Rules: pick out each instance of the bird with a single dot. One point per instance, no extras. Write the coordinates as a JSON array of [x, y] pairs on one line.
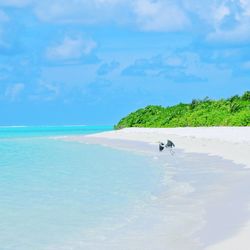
[[169, 144]]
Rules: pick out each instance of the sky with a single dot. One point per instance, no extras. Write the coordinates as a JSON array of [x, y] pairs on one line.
[[94, 61]]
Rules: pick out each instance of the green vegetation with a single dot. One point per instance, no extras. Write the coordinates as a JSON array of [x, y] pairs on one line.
[[234, 111]]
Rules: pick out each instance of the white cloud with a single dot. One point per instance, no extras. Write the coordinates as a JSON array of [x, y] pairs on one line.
[[245, 4], [83, 11], [215, 19], [220, 12], [228, 21], [240, 34], [149, 15], [13, 92], [71, 49], [159, 15]]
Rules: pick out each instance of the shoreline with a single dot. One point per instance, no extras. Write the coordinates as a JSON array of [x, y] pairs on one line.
[[229, 143]]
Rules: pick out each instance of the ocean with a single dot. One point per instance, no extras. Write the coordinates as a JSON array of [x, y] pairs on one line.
[[63, 195], [41, 131], [59, 194]]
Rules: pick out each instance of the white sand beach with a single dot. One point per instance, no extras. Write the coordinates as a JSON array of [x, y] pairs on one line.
[[230, 143]]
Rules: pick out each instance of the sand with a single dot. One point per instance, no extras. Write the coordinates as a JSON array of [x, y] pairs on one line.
[[230, 143]]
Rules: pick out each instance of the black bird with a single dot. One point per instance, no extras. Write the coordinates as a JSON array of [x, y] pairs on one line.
[[169, 144]]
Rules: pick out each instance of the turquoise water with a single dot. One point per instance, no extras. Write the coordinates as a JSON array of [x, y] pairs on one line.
[[25, 131], [55, 194], [65, 195]]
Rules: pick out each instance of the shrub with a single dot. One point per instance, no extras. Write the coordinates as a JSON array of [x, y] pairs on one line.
[[234, 111]]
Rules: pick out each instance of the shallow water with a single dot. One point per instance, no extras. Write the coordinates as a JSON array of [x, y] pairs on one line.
[[62, 195], [54, 192]]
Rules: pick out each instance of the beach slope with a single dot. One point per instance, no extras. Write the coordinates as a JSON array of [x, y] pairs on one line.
[[230, 143]]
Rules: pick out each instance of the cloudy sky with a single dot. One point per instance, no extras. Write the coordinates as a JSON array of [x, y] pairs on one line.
[[94, 61]]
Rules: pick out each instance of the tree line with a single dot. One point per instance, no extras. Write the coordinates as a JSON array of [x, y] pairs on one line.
[[234, 111]]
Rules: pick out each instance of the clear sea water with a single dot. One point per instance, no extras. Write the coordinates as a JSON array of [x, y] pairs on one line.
[[62, 195], [38, 131], [65, 195]]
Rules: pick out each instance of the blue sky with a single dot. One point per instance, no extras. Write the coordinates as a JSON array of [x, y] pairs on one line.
[[92, 62]]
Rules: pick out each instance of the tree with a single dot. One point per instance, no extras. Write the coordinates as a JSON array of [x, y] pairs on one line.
[[246, 96]]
